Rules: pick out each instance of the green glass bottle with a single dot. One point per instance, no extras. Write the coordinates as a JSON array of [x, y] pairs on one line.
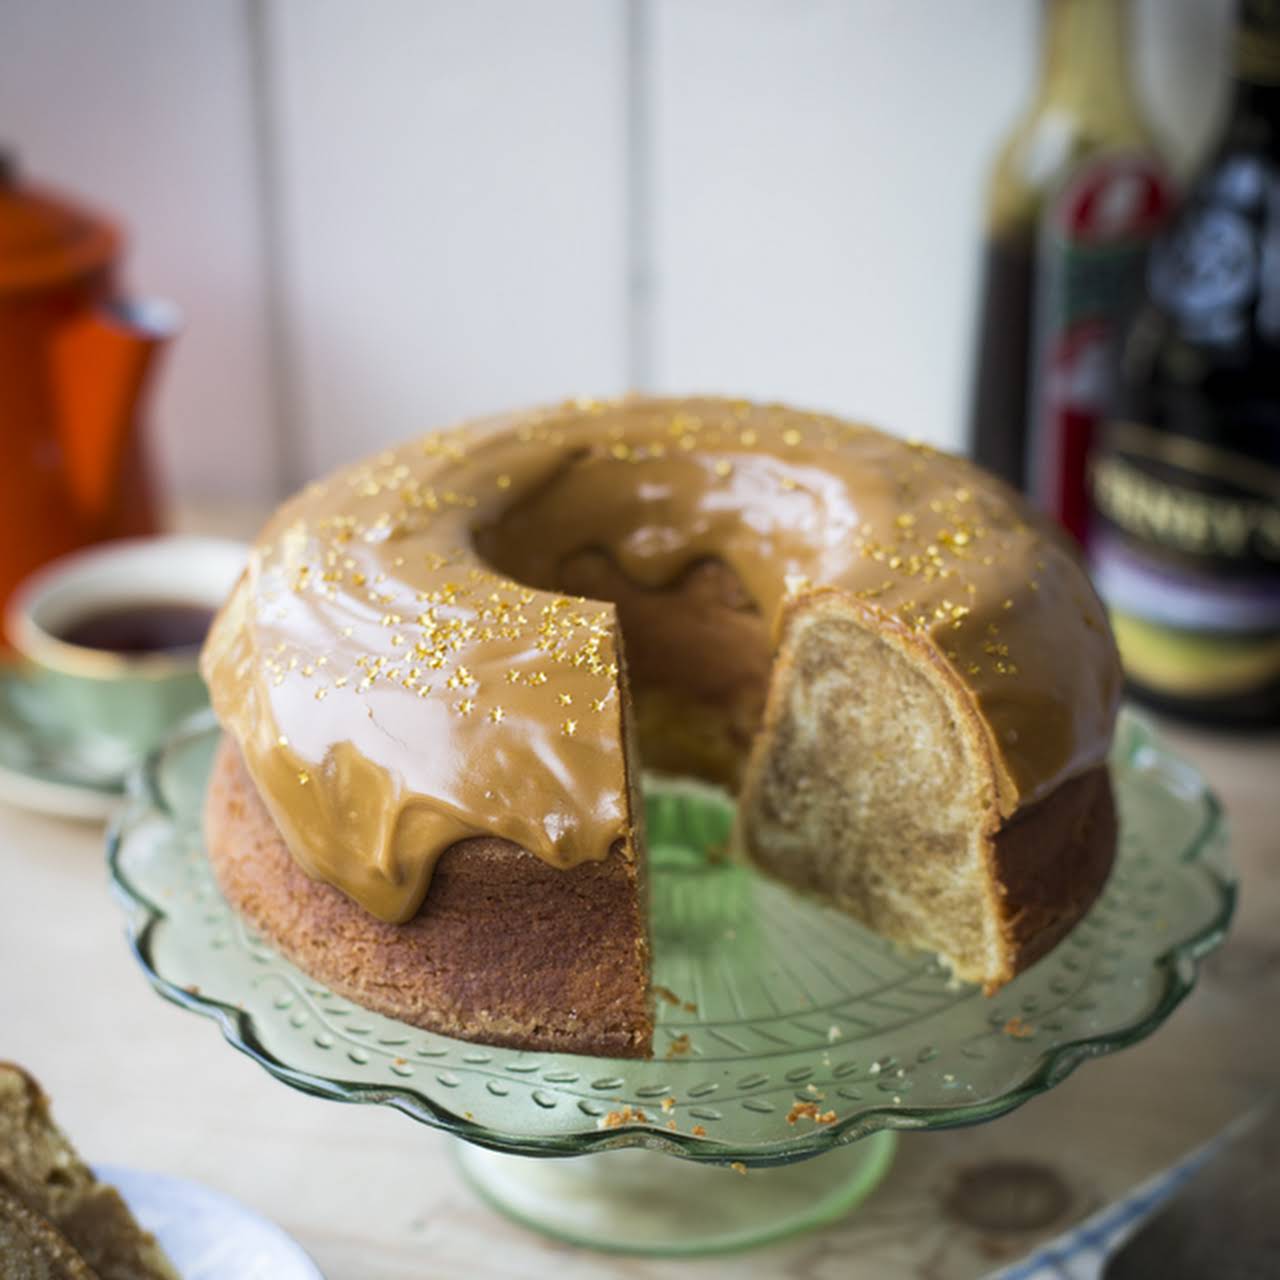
[[1077, 194]]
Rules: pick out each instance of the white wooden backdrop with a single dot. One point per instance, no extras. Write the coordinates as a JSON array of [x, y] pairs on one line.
[[380, 215]]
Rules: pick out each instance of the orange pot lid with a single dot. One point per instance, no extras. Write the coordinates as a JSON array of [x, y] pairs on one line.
[[44, 240]]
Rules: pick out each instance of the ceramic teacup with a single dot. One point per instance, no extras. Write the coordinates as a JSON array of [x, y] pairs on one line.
[[130, 699]]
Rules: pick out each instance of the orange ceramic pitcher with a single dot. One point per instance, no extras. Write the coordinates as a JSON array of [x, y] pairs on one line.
[[74, 364]]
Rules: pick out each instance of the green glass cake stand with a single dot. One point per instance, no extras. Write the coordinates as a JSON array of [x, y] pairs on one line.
[[784, 1030]]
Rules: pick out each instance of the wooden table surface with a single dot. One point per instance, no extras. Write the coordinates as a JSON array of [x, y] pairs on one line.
[[373, 1195]]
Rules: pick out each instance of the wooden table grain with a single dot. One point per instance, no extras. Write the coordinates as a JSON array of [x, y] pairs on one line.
[[373, 1195]]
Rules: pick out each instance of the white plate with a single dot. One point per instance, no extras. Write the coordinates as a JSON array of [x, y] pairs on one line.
[[208, 1236]]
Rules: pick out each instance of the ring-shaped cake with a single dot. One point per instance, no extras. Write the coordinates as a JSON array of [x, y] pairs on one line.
[[444, 666]]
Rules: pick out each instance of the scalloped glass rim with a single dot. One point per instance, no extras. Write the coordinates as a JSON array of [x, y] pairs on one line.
[[1137, 749]]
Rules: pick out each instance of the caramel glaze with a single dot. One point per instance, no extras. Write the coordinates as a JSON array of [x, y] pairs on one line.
[[699, 659], [394, 693]]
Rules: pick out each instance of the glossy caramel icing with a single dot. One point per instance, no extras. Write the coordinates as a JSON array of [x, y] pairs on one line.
[[393, 692]]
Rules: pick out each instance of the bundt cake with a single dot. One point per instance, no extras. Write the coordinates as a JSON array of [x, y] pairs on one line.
[[444, 667]]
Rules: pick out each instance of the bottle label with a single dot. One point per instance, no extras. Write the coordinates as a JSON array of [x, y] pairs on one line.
[[1185, 548], [1092, 244]]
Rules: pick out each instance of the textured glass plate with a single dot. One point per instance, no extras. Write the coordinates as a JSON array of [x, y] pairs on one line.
[[775, 1000]]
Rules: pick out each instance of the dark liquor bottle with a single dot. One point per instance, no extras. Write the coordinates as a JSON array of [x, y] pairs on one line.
[[1077, 194], [1186, 481]]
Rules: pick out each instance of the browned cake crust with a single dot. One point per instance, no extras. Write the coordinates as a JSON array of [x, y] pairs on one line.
[[506, 949], [1049, 864]]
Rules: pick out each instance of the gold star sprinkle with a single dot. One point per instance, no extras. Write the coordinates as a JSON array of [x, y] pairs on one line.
[[496, 715], [569, 728]]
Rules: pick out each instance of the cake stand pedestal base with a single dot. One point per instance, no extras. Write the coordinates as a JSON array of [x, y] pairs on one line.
[[644, 1202]]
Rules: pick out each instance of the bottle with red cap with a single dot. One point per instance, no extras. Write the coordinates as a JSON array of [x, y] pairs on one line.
[[1078, 193]]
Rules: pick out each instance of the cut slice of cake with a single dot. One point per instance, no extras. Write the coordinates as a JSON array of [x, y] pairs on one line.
[[32, 1248], [88, 1230]]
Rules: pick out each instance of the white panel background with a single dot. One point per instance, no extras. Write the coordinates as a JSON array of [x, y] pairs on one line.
[[819, 168], [379, 216], [143, 109], [452, 182]]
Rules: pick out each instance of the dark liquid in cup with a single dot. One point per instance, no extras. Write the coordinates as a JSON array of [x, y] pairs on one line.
[[160, 626]]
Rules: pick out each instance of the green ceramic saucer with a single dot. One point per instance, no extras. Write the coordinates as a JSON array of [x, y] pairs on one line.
[[50, 766]]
